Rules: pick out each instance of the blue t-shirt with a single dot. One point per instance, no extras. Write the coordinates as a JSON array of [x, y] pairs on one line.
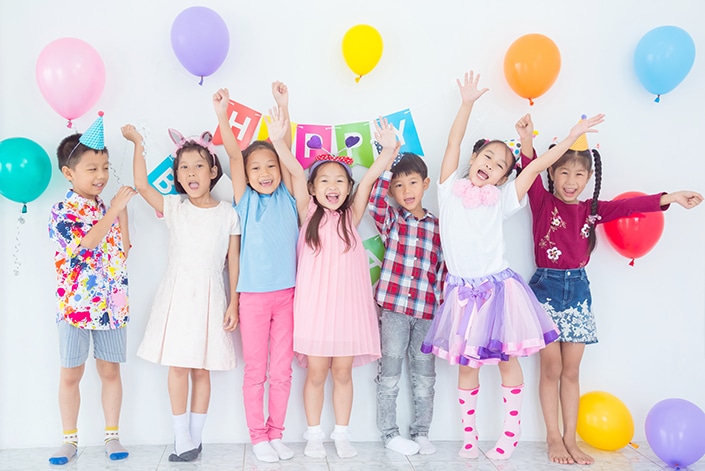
[[270, 228]]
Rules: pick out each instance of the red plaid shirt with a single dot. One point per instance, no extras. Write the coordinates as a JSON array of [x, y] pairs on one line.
[[412, 270]]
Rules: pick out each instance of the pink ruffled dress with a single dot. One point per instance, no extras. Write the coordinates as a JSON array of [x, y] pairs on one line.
[[334, 309]]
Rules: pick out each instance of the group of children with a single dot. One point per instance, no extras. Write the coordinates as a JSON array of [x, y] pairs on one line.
[[299, 281]]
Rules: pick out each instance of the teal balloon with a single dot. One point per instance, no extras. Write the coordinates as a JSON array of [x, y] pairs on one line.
[[25, 169], [663, 58]]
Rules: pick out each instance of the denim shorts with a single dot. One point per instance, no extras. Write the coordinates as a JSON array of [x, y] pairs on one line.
[[565, 294]]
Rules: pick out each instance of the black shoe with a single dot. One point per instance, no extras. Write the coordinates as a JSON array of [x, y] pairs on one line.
[[185, 456]]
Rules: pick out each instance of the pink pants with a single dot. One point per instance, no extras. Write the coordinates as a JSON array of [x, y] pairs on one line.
[[267, 320]]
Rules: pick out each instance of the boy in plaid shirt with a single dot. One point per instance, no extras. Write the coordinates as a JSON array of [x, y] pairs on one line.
[[409, 292]]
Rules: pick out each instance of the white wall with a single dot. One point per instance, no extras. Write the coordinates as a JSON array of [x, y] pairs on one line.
[[650, 316]]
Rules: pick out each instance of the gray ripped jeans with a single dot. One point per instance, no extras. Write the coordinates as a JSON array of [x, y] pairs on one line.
[[402, 335]]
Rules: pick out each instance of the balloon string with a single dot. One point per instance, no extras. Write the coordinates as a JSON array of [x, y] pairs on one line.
[[658, 99], [631, 264], [16, 251]]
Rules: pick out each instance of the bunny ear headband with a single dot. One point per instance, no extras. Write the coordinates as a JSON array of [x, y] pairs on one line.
[[204, 140]]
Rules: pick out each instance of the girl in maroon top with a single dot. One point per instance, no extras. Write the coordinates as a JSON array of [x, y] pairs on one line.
[[564, 237]]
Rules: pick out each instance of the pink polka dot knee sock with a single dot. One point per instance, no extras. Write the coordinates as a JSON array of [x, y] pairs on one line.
[[511, 431], [468, 402]]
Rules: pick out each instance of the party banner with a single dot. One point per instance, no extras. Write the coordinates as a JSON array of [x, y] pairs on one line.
[[312, 140], [354, 140], [405, 129], [375, 254], [243, 121], [162, 177]]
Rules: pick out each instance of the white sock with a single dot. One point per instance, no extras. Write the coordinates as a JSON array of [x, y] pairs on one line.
[[284, 452], [425, 445], [314, 442], [341, 437], [402, 445], [182, 435], [265, 452], [196, 423]]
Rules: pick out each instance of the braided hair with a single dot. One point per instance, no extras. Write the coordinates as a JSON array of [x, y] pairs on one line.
[[584, 158]]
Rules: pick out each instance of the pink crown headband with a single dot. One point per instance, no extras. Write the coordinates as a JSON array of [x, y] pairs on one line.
[[204, 140]]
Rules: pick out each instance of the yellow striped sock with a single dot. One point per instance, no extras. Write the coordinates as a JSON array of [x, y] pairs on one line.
[[71, 437], [111, 433]]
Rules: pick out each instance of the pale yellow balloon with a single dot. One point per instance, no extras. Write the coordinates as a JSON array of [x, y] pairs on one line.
[[362, 49]]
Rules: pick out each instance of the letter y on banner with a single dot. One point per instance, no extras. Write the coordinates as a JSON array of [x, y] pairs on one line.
[[406, 131]]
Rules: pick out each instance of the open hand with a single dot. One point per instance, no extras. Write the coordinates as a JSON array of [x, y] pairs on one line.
[[385, 134], [276, 124], [468, 87], [586, 125]]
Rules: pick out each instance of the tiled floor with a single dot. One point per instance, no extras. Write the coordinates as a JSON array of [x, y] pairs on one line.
[[372, 456]]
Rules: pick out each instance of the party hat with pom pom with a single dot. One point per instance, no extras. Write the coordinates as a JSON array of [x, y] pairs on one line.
[[94, 136], [581, 143]]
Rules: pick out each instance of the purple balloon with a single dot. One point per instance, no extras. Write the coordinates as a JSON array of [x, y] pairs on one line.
[[675, 429], [200, 40]]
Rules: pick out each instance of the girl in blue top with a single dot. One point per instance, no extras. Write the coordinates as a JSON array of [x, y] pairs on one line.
[[263, 199]]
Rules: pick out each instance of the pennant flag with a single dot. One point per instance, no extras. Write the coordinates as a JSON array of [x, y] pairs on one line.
[[311, 140], [162, 177], [243, 121], [405, 129], [354, 141], [375, 254], [263, 133]]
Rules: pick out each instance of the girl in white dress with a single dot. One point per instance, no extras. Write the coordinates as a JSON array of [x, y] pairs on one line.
[[191, 321]]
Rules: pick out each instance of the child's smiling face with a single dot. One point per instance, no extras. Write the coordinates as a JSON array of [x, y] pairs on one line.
[[263, 172], [569, 181], [90, 174], [490, 165], [194, 173], [331, 185]]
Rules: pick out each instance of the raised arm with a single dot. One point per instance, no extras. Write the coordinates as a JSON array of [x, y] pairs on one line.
[[278, 129], [232, 148], [281, 97], [538, 165], [385, 135], [139, 170], [525, 129], [469, 94]]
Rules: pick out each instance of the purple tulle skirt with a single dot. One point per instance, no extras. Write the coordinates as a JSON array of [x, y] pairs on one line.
[[486, 320]]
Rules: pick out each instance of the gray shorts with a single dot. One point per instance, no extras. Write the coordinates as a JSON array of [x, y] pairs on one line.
[[74, 343]]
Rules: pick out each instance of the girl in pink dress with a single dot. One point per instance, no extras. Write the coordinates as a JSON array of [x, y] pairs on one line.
[[335, 317]]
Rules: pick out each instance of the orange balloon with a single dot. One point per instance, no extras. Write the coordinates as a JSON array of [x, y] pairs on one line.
[[531, 65]]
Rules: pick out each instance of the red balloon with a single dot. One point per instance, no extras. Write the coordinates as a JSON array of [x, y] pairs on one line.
[[634, 236]]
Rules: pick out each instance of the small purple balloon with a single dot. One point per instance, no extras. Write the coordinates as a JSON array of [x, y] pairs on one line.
[[675, 429], [350, 141], [200, 40], [314, 142]]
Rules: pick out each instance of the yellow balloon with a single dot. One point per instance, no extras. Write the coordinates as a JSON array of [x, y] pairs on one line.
[[362, 49], [604, 421]]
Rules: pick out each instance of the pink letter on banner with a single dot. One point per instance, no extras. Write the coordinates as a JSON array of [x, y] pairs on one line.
[[312, 140], [243, 121]]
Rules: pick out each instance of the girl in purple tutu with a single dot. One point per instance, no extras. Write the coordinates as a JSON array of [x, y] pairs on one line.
[[489, 314]]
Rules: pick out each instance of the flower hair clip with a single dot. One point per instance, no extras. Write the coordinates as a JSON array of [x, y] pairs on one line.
[[204, 140]]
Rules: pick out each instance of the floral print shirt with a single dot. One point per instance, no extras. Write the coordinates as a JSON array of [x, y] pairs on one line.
[[91, 283], [561, 230]]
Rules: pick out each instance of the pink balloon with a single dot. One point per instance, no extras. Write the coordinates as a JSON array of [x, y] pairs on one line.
[[71, 76]]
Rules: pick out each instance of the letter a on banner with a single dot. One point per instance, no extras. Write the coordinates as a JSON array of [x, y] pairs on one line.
[[243, 121], [405, 129]]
